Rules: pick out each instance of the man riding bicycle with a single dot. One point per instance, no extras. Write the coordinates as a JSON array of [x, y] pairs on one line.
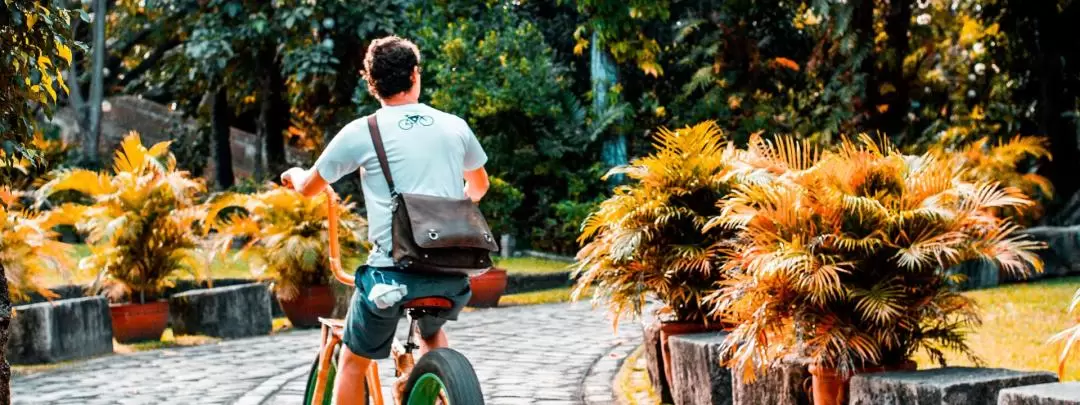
[[429, 152]]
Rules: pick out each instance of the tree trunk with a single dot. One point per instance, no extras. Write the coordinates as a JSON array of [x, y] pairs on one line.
[[863, 24], [97, 78], [5, 322], [1054, 100], [220, 117], [897, 24], [273, 115], [604, 77]]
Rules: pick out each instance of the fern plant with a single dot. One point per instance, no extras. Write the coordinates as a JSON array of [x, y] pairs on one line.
[[648, 238], [286, 235], [845, 263], [141, 225], [29, 250]]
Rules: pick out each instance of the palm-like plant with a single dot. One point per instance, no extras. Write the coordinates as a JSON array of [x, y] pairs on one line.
[[1000, 163], [648, 238], [25, 172], [1068, 337], [28, 248], [286, 234], [142, 224], [846, 262]]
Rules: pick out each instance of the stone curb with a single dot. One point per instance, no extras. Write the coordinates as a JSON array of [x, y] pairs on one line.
[[1067, 393], [598, 386]]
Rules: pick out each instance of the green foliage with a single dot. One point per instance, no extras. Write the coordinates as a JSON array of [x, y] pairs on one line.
[[845, 261], [36, 44], [286, 234], [142, 224], [495, 69], [499, 204]]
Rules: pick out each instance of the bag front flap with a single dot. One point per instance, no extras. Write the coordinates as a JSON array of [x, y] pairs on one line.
[[439, 222]]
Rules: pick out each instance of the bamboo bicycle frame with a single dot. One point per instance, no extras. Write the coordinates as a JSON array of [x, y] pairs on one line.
[[332, 329]]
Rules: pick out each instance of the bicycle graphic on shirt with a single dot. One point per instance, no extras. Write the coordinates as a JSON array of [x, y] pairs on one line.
[[409, 121]]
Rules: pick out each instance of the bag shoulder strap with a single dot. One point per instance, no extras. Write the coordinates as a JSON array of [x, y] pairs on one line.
[[376, 139]]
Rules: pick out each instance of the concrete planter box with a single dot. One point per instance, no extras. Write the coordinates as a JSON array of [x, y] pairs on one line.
[[1062, 255], [950, 385], [979, 274], [1042, 394], [61, 330], [697, 378], [225, 312], [650, 324], [521, 283], [785, 383]]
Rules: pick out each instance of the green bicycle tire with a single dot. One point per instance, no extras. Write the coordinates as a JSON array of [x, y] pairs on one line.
[[443, 370], [328, 398]]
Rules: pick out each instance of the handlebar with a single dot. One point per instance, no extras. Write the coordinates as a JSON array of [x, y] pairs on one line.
[[334, 246]]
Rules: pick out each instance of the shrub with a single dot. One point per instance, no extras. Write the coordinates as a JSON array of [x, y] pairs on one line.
[[649, 237], [499, 205], [286, 234], [141, 223], [28, 248], [846, 262]]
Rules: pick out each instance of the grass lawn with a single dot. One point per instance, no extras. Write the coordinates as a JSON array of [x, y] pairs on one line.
[[539, 297], [234, 267], [531, 265], [1017, 321]]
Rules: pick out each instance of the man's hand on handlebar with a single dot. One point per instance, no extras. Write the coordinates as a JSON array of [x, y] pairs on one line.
[[306, 182], [293, 177]]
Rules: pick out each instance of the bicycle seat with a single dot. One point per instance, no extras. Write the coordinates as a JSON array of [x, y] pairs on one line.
[[430, 303]]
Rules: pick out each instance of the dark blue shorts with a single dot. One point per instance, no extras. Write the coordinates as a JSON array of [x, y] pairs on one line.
[[369, 331]]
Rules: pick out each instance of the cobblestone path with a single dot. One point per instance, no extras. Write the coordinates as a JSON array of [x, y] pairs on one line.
[[542, 355]]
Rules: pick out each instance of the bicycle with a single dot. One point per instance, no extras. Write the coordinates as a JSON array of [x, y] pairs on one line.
[[442, 376]]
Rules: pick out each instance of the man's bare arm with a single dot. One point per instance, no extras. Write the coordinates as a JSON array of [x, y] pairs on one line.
[[476, 184]]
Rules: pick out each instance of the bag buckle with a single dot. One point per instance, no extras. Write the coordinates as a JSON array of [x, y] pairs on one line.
[[487, 237], [433, 234]]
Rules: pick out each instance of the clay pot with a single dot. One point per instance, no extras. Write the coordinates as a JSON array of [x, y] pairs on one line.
[[669, 329], [139, 322], [312, 302], [831, 388], [487, 288]]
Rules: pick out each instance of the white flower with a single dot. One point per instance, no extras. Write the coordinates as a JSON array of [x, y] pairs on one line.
[[971, 77], [978, 48], [980, 68], [923, 19], [971, 93]]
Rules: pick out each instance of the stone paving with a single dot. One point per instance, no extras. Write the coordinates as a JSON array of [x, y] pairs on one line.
[[541, 355]]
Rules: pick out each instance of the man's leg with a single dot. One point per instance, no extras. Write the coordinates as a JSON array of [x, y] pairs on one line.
[[351, 375], [435, 341]]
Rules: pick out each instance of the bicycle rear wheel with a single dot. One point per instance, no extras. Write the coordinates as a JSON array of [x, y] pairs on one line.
[[443, 371], [328, 389]]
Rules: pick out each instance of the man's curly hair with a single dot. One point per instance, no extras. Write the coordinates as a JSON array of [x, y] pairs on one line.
[[389, 64]]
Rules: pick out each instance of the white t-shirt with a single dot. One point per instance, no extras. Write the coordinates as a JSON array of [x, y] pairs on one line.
[[429, 152]]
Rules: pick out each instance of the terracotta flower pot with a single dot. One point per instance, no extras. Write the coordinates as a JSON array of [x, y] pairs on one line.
[[487, 288], [312, 302], [139, 322], [669, 329], [831, 388]]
